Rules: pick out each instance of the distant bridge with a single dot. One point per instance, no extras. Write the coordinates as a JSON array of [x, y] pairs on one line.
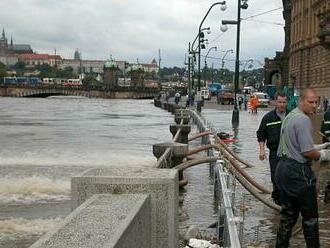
[[93, 92]]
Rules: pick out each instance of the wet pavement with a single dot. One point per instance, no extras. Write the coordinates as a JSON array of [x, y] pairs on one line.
[[260, 222]]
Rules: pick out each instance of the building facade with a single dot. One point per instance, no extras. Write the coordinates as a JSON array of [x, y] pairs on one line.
[[309, 57], [305, 60], [34, 59]]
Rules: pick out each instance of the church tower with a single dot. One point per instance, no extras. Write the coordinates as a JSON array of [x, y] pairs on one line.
[[3, 43]]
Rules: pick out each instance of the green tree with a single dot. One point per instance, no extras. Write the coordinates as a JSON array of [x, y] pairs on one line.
[[90, 81], [46, 71], [19, 67], [67, 72]]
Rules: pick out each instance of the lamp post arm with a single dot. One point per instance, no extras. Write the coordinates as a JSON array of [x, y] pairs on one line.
[[223, 58], [250, 60], [205, 65], [200, 26], [199, 41], [209, 52]]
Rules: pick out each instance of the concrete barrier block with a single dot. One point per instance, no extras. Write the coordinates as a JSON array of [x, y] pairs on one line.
[[117, 221], [161, 184]]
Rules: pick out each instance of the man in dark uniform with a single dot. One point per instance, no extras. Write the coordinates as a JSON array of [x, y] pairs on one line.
[[294, 176], [325, 130], [269, 132]]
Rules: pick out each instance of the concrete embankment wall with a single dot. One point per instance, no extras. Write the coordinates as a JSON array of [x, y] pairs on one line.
[[22, 92], [138, 208], [3, 92], [104, 221], [160, 184]]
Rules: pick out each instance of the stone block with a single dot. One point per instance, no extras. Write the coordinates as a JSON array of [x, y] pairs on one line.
[[104, 221], [161, 184]]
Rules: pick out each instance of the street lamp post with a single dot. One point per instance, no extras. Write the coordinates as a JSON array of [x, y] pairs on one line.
[[205, 64], [223, 58], [192, 53], [223, 61], [242, 4], [223, 7], [246, 63]]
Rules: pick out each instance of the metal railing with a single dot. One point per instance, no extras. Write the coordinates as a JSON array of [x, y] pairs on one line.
[[224, 193]]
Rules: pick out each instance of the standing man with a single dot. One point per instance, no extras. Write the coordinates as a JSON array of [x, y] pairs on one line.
[[269, 133], [294, 176]]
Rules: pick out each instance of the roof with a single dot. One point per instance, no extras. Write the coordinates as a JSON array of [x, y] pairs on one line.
[[22, 47], [154, 61], [31, 56], [150, 65]]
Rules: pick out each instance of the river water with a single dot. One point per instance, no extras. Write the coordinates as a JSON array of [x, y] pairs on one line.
[[45, 141]]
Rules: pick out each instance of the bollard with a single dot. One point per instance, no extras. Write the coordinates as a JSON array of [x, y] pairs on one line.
[[181, 115], [199, 106], [179, 151], [174, 107], [170, 107], [185, 130]]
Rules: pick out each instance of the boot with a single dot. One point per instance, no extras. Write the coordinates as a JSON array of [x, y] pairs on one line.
[[311, 232], [327, 193], [276, 196], [288, 220]]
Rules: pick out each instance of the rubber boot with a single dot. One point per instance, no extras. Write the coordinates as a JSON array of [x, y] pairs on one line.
[[311, 233], [288, 220], [327, 193]]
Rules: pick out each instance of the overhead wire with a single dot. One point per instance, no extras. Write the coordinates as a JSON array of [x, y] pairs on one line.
[[252, 16]]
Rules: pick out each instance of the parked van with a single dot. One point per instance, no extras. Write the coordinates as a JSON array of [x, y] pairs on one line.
[[263, 98], [205, 94], [248, 90]]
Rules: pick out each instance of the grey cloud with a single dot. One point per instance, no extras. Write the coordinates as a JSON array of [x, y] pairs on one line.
[[130, 29]]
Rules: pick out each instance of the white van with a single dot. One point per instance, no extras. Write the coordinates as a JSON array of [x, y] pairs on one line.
[[248, 90], [205, 94], [263, 98]]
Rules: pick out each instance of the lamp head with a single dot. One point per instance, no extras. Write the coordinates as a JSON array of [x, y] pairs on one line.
[[244, 4], [223, 28], [223, 7], [208, 31]]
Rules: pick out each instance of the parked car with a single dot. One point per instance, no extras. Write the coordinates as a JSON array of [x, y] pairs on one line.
[[263, 98]]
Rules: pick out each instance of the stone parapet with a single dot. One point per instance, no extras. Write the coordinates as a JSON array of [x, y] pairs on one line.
[[104, 221], [161, 184]]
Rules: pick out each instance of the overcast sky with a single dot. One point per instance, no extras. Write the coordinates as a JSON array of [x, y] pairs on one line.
[[136, 29]]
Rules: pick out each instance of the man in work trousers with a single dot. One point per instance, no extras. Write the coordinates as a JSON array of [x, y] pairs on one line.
[[325, 130], [269, 132], [294, 176]]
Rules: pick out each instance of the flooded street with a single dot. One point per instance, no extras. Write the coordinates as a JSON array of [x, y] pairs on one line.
[[260, 221]]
